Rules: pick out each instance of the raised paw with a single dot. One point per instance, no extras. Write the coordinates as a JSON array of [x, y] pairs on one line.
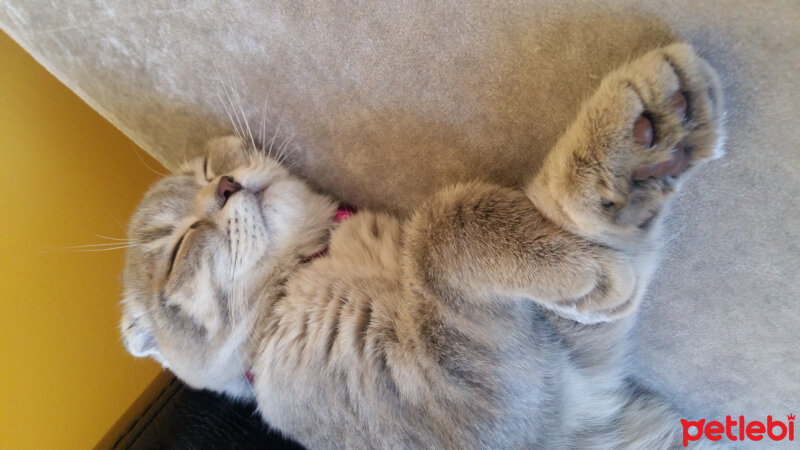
[[649, 123]]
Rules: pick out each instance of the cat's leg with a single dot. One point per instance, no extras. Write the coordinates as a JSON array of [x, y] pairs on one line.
[[478, 241], [587, 248], [611, 176]]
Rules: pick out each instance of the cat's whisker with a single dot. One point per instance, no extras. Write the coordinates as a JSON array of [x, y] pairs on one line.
[[105, 249], [279, 153], [293, 166], [275, 135], [87, 250], [284, 151], [144, 163], [233, 95], [244, 115], [228, 112], [107, 244], [232, 302], [232, 112], [171, 163], [262, 134], [112, 238]]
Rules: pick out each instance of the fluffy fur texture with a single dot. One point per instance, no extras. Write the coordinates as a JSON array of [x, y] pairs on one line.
[[491, 317]]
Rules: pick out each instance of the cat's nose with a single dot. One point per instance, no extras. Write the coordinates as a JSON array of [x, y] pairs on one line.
[[227, 187]]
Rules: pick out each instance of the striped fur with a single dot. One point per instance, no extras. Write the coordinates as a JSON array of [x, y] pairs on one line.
[[491, 317]]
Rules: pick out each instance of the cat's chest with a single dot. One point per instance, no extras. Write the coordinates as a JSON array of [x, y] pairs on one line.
[[366, 241], [364, 253]]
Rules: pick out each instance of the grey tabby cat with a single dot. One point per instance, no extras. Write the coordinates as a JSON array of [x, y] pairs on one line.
[[491, 318]]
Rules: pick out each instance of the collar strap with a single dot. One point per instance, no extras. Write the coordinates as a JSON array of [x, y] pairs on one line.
[[343, 213]]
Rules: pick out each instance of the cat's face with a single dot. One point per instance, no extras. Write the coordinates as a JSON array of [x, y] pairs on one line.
[[210, 243]]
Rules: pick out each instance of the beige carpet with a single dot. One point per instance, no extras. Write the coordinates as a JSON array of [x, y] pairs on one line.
[[386, 102]]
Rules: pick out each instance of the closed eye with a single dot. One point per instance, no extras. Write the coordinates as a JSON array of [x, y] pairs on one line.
[[205, 169], [175, 253], [178, 246]]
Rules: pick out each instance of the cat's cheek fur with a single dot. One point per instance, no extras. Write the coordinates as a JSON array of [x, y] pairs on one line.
[[289, 206], [222, 370], [137, 336]]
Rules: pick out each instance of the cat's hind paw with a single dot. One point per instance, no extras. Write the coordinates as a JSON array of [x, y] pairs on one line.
[[649, 123]]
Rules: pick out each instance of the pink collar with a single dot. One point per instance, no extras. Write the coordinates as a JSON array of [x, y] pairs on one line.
[[343, 213]]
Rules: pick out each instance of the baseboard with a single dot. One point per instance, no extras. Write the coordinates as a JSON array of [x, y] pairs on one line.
[[140, 413]]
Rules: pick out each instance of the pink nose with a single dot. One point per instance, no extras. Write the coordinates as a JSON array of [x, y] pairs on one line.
[[227, 187]]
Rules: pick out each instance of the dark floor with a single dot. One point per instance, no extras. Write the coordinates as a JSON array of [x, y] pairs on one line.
[[183, 418]]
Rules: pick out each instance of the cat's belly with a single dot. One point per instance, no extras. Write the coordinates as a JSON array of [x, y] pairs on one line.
[[353, 357], [386, 392]]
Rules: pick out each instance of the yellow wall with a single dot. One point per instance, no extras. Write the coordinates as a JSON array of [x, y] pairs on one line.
[[65, 175]]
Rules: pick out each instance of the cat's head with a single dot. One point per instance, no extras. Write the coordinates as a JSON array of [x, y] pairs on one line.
[[211, 243]]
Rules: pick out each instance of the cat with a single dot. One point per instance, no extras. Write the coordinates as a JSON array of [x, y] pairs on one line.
[[489, 318]]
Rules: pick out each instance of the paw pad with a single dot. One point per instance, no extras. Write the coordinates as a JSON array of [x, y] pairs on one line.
[[643, 132], [680, 105]]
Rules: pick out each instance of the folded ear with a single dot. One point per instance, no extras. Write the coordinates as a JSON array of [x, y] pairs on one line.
[[137, 336], [224, 154]]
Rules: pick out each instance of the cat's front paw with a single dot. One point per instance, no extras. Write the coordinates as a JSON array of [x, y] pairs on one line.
[[616, 293], [649, 124]]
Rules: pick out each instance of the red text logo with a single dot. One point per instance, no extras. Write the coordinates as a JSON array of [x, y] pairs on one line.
[[738, 430]]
